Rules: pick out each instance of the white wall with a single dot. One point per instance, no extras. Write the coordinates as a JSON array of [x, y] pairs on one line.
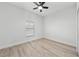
[[12, 25], [78, 29], [61, 26]]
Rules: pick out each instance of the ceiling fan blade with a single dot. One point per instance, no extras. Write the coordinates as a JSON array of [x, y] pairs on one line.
[[35, 8], [40, 10], [45, 7], [42, 3], [36, 3]]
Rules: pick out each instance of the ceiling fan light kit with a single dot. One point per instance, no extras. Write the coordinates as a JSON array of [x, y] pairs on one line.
[[39, 7]]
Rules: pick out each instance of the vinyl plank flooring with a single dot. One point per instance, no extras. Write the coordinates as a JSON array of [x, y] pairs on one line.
[[39, 48]]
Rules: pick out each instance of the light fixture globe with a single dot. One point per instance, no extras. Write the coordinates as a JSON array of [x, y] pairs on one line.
[[39, 7]]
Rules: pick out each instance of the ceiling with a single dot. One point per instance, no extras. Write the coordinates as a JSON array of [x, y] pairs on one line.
[[53, 7], [77, 4]]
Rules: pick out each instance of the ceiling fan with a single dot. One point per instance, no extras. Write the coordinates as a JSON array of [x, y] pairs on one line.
[[40, 6]]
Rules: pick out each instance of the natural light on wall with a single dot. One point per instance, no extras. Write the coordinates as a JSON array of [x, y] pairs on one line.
[[29, 28]]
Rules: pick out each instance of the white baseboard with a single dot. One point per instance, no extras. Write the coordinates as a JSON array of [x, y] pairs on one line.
[[31, 39], [19, 42], [54, 39]]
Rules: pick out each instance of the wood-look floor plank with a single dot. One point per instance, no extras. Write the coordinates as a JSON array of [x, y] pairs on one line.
[[57, 49], [58, 46], [39, 48]]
